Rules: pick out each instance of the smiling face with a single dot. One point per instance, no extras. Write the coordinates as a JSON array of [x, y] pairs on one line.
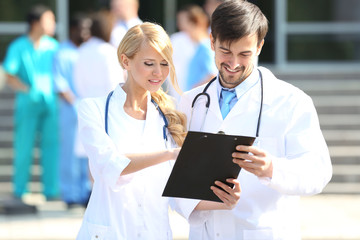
[[235, 62], [147, 70]]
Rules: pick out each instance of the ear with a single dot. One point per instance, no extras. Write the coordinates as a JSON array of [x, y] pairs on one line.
[[258, 50], [125, 61], [212, 42]]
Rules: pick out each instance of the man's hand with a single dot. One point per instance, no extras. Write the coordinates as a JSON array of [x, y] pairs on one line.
[[255, 161], [229, 196]]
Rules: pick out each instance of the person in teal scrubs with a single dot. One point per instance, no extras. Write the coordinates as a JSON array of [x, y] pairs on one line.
[[28, 66]]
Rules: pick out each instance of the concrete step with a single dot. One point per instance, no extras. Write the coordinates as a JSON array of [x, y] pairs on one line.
[[330, 86], [6, 188], [337, 101], [342, 188], [6, 122], [8, 153], [344, 151], [342, 137], [338, 110], [6, 104], [340, 121], [346, 174], [7, 172]]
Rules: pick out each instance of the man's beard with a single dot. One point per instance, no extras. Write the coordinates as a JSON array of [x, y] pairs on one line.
[[231, 81]]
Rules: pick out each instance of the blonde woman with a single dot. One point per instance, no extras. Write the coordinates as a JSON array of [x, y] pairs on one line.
[[129, 145]]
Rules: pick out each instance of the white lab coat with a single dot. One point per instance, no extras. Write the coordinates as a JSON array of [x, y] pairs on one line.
[[289, 130], [130, 206]]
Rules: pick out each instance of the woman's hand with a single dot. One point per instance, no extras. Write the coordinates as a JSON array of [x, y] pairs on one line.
[[229, 196], [174, 153]]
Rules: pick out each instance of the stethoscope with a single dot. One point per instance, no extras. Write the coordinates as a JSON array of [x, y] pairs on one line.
[[204, 93], [166, 124]]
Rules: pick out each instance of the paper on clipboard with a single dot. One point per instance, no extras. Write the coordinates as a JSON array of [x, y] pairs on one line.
[[204, 158]]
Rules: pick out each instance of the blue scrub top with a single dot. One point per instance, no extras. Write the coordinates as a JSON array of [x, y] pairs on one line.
[[32, 66], [201, 65], [64, 62]]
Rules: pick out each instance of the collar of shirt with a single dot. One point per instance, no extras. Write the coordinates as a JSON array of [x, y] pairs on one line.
[[243, 87]]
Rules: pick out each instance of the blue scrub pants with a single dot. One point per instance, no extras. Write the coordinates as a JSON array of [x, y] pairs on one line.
[[75, 184], [36, 122]]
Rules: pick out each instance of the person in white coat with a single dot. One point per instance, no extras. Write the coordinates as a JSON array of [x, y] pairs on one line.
[[97, 71], [129, 146], [289, 158]]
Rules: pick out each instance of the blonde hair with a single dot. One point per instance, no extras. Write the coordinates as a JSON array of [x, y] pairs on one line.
[[157, 38]]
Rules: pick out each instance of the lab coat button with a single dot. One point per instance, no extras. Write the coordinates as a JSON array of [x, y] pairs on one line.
[[217, 234], [139, 235], [96, 237]]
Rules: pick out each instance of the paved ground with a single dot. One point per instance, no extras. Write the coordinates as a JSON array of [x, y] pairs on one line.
[[325, 217]]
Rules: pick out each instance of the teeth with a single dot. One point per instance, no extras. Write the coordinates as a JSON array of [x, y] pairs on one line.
[[154, 81], [230, 70]]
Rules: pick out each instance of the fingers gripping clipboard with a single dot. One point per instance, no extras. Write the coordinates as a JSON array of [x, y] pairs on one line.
[[203, 159]]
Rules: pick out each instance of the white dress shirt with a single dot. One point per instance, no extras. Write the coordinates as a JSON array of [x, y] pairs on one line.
[[290, 132]]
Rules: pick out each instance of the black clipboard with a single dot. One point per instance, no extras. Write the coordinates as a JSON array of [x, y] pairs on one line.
[[204, 158]]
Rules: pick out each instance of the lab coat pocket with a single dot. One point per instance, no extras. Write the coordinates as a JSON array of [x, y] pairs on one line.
[[98, 232], [261, 234]]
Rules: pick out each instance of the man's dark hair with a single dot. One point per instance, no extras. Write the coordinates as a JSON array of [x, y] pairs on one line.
[[102, 24], [35, 13], [235, 19]]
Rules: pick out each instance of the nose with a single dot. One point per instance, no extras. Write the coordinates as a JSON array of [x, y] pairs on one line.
[[157, 70], [233, 63]]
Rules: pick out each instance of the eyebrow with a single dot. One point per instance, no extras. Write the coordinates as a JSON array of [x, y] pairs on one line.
[[151, 59], [226, 49]]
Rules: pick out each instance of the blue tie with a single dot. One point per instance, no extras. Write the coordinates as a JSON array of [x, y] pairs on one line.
[[227, 96]]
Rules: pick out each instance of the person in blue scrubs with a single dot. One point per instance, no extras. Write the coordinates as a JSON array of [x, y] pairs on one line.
[[28, 66], [201, 67], [75, 185]]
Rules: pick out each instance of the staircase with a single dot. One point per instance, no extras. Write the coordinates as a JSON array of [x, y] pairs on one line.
[[6, 151], [337, 100]]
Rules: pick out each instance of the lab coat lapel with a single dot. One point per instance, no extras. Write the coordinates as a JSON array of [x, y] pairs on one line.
[[150, 114], [214, 118], [153, 135]]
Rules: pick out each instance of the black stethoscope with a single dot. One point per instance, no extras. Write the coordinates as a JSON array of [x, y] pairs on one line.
[[166, 124], [204, 93]]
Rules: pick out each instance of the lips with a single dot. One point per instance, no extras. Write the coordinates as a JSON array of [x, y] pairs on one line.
[[154, 80], [232, 70]]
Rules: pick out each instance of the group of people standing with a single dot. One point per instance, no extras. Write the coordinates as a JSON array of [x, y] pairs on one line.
[[133, 133], [49, 79]]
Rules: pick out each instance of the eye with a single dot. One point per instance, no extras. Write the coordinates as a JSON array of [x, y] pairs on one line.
[[246, 55], [165, 64], [225, 52], [148, 64]]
